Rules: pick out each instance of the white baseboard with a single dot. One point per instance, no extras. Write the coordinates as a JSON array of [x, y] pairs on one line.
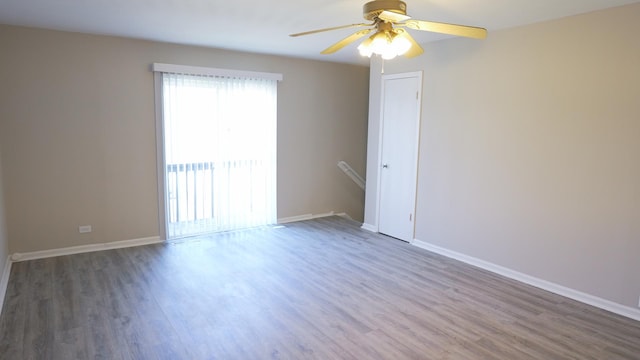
[[369, 227], [608, 305], [84, 249], [307, 217], [345, 215], [4, 281]]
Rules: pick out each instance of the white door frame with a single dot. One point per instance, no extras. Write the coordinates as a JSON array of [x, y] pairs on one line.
[[414, 188], [160, 160]]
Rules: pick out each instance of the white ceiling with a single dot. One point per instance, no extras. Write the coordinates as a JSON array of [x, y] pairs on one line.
[[263, 26]]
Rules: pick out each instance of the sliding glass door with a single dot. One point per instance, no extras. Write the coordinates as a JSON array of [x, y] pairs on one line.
[[219, 153]]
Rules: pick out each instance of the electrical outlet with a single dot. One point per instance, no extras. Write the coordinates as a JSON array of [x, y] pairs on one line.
[[84, 229]]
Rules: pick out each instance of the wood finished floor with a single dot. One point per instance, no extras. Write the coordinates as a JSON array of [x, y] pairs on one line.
[[319, 289]]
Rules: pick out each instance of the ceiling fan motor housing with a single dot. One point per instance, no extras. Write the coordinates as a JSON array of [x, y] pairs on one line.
[[372, 9]]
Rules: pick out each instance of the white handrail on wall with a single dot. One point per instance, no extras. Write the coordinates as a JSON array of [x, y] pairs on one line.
[[351, 173]]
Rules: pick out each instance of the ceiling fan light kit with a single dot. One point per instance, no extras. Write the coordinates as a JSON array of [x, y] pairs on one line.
[[389, 42], [386, 43]]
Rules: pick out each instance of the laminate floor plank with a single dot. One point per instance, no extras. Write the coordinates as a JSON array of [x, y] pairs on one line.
[[318, 289], [12, 324]]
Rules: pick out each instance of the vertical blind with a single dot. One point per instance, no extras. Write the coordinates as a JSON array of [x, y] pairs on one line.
[[219, 152]]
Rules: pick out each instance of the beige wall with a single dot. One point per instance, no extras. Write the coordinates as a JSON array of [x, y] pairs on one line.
[[78, 134], [530, 150], [4, 242]]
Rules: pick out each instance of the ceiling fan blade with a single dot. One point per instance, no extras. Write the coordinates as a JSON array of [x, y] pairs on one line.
[[329, 29], [444, 28], [393, 17], [346, 41], [415, 48]]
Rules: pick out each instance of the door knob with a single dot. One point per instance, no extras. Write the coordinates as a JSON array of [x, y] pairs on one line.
[[385, 165]]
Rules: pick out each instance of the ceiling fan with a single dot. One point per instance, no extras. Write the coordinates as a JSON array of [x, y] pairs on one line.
[[389, 18]]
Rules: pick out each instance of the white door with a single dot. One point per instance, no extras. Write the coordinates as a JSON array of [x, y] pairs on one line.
[[399, 154]]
